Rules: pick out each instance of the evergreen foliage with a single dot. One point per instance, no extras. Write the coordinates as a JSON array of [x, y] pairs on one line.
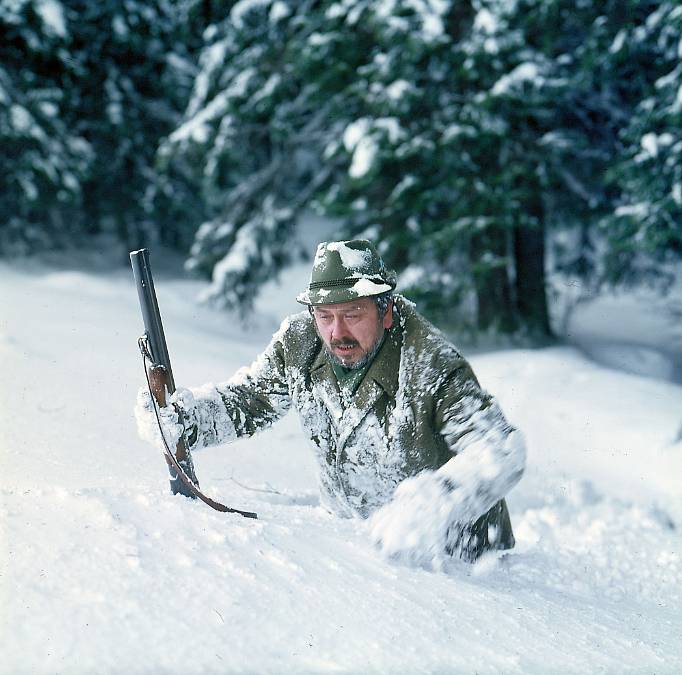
[[44, 160], [480, 143], [249, 143], [460, 136], [645, 228], [86, 92]]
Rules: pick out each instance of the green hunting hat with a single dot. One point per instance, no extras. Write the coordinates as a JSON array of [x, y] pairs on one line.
[[344, 271]]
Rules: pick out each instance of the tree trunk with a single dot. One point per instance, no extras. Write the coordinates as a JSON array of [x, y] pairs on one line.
[[207, 11], [459, 19], [529, 258], [493, 290]]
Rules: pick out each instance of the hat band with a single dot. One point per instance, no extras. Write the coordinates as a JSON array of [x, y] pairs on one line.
[[334, 283]]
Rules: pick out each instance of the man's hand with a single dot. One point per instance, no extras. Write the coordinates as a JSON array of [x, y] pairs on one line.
[[147, 427], [421, 521]]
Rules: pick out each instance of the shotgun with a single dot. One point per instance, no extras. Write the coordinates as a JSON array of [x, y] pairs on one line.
[[152, 344]]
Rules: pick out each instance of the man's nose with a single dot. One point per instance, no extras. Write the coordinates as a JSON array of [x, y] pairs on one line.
[[339, 328]]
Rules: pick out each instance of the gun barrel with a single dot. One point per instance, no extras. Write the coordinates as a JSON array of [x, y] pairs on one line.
[[150, 313]]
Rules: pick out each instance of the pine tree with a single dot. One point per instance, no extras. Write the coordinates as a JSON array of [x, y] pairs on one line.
[[460, 136], [44, 160], [133, 60], [562, 96], [86, 92], [401, 117], [249, 142], [644, 229]]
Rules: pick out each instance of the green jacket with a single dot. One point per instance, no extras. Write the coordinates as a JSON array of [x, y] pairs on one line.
[[418, 408]]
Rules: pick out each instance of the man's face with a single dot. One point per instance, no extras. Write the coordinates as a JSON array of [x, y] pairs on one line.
[[351, 331]]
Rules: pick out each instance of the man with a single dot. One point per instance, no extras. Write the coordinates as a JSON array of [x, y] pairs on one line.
[[401, 428]]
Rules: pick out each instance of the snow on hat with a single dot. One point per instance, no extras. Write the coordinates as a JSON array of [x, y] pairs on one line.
[[344, 271]]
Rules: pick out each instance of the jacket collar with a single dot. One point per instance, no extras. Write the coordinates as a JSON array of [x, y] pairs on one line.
[[384, 368]]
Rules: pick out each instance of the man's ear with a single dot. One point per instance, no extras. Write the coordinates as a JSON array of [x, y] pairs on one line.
[[388, 316]]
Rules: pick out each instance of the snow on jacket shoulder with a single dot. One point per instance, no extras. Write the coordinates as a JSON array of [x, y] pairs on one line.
[[418, 408]]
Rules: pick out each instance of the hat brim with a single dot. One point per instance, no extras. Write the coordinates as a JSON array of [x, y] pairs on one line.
[[362, 288]]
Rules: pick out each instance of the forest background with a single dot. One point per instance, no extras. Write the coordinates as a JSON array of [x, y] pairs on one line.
[[490, 147]]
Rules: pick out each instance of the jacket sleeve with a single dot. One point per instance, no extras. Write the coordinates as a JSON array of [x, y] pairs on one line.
[[250, 401], [489, 454]]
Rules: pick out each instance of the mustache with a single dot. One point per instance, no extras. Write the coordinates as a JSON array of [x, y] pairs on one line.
[[344, 342]]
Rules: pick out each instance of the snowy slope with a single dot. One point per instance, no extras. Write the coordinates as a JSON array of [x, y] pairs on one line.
[[651, 345], [103, 571]]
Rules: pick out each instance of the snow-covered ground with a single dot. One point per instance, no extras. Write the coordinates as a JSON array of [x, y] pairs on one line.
[[103, 571]]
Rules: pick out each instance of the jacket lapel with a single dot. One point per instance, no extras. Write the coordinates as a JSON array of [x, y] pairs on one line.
[[326, 389], [381, 379]]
